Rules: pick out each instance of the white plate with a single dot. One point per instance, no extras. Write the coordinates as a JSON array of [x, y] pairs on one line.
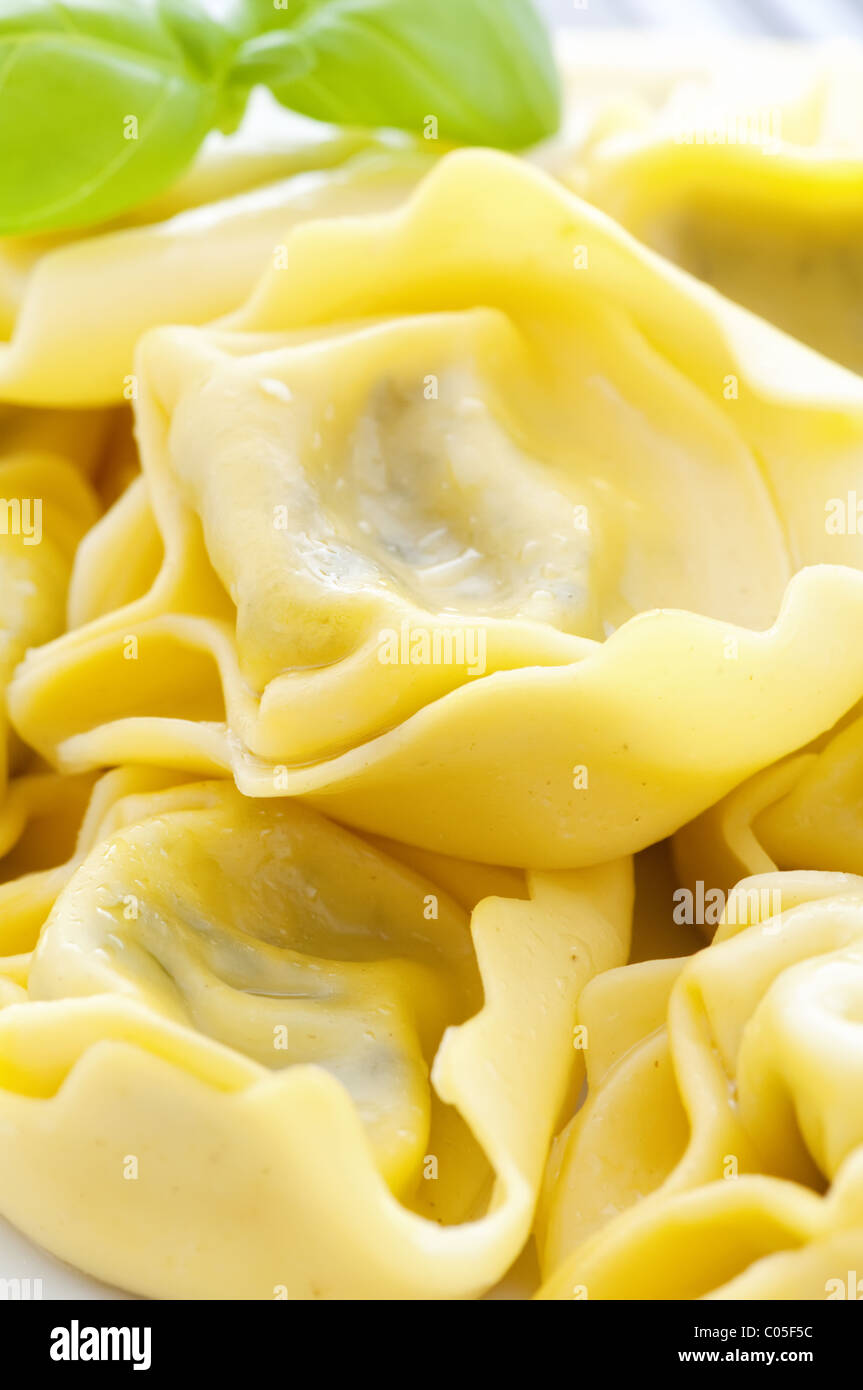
[[28, 1272]]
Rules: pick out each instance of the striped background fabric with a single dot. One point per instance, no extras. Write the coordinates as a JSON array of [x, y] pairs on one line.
[[784, 19]]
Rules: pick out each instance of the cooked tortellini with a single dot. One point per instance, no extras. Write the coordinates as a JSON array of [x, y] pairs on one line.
[[328, 1071], [720, 1150], [47, 504], [804, 810], [187, 258], [745, 167], [48, 824], [431, 714], [495, 535]]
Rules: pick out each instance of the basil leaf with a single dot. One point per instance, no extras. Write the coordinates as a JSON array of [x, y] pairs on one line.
[[102, 103], [483, 68]]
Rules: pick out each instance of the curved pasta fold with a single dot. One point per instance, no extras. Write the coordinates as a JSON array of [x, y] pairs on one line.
[[448, 514], [746, 168], [190, 257], [723, 1100], [48, 825], [462, 599], [328, 1072], [804, 810], [46, 506]]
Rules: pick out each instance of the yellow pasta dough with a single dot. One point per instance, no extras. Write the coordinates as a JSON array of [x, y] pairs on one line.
[[805, 810], [723, 1098], [537, 661], [48, 824], [431, 708], [244, 1001], [46, 506], [745, 167], [195, 254]]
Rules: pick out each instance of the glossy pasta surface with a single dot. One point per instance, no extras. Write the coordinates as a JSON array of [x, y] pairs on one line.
[[431, 850]]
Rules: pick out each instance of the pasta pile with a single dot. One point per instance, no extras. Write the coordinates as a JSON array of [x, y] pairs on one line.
[[429, 684]]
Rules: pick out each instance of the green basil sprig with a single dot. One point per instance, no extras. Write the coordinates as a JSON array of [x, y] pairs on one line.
[[483, 68], [104, 102]]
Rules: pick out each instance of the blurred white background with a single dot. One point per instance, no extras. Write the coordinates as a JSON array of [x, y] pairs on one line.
[[779, 18]]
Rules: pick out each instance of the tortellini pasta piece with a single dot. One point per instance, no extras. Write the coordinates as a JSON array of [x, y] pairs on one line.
[[745, 168], [48, 825], [317, 1066], [494, 534], [805, 810], [723, 1102], [73, 307], [46, 506]]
